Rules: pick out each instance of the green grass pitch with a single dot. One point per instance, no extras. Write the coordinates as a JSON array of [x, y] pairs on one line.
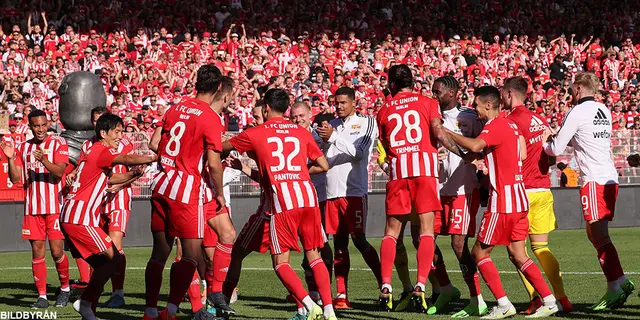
[[262, 296]]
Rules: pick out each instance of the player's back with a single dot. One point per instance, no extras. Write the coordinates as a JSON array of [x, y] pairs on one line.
[[592, 141], [188, 130], [282, 150], [405, 132], [502, 158], [535, 167]]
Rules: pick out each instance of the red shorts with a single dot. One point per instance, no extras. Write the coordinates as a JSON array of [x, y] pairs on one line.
[[255, 234], [598, 201], [41, 226], [346, 215], [176, 218], [115, 220], [211, 211], [86, 241], [458, 214], [419, 193], [503, 228], [287, 226]]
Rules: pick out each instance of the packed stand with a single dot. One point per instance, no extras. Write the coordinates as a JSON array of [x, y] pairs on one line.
[[147, 58]]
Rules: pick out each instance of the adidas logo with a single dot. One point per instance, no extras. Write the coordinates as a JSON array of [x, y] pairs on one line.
[[537, 125], [601, 119]]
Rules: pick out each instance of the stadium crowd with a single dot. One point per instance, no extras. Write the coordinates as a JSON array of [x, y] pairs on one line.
[[147, 61]]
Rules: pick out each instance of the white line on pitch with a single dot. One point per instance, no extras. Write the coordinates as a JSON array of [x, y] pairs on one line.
[[352, 269]]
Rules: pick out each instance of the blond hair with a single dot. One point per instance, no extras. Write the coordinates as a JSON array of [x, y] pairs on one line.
[[588, 80], [300, 105]]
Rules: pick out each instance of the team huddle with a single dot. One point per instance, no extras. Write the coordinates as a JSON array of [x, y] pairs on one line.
[[314, 182]]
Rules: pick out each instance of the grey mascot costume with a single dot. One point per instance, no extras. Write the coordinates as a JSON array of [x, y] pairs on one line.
[[79, 92]]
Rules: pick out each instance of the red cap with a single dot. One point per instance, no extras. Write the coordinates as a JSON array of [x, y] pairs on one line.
[[93, 32], [13, 123], [206, 34]]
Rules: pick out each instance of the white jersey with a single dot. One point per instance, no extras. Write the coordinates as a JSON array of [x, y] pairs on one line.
[[456, 176], [588, 128], [348, 151], [319, 180]]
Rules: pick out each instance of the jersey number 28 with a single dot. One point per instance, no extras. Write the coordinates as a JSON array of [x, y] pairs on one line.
[[411, 124]]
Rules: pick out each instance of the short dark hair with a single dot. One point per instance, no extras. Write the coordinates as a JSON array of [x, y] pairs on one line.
[[277, 99], [98, 110], [518, 84], [106, 122], [489, 93], [400, 75], [226, 84], [208, 79], [346, 91], [561, 166], [449, 82], [36, 113]]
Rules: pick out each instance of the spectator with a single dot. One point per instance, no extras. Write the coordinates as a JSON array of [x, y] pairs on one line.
[[568, 177]]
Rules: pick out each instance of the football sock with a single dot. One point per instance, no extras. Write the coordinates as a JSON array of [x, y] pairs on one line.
[[531, 291], [102, 272], [83, 269], [194, 293], [440, 271], [182, 274], [290, 280], [473, 283], [62, 266], [86, 310], [610, 263], [402, 266], [550, 266], [221, 261], [209, 277], [425, 257], [321, 276], [39, 269], [117, 281], [491, 277], [342, 264], [534, 276], [233, 275], [153, 283], [373, 262], [327, 257], [388, 256]]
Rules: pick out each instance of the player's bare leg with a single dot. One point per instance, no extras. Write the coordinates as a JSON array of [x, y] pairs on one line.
[[530, 270], [223, 227], [104, 265], [618, 286], [290, 280], [162, 245], [117, 281]]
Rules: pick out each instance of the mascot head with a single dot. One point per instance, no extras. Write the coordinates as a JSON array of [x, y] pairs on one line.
[[79, 93]]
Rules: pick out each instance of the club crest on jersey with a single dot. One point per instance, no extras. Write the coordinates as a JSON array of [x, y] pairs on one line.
[[355, 127], [114, 151], [26, 232]]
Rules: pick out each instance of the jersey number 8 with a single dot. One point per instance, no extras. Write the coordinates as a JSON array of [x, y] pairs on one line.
[[176, 133], [278, 153], [411, 122]]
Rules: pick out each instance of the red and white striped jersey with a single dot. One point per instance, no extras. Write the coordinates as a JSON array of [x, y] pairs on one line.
[[122, 199], [405, 133], [43, 191], [502, 158], [282, 151], [82, 205], [189, 129]]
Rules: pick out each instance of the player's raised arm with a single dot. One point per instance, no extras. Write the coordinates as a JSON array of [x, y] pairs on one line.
[[474, 145], [236, 163], [130, 160], [9, 151], [155, 139], [555, 144]]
